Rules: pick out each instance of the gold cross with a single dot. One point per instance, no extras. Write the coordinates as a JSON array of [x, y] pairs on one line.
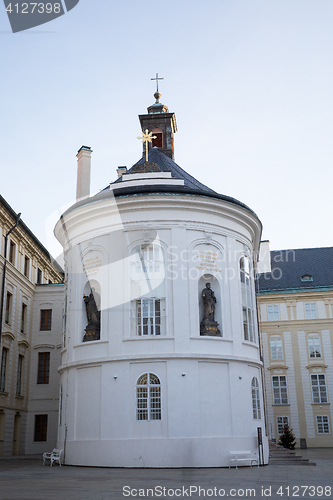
[[157, 78], [145, 138]]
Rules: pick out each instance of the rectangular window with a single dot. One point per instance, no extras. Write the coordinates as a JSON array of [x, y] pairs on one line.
[[23, 317], [323, 426], [3, 369], [280, 395], [12, 252], [314, 347], [19, 376], [26, 266], [39, 277], [45, 319], [148, 317], [281, 423], [273, 312], [276, 349], [40, 427], [8, 311], [43, 368], [248, 324], [319, 391], [310, 310]]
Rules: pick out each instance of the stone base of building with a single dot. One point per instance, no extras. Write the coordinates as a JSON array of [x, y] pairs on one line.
[[159, 453]]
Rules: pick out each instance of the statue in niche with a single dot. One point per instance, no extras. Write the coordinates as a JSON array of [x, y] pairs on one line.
[[93, 327], [208, 326]]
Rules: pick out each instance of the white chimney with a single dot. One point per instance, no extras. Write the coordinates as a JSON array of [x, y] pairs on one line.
[[121, 171], [264, 263], [83, 172]]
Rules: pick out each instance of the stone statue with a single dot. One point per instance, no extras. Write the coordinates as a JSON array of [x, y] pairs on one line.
[[93, 316], [208, 326], [209, 301]]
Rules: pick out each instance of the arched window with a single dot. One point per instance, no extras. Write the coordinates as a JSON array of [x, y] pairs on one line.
[[245, 279], [158, 142], [148, 291], [148, 397], [255, 399]]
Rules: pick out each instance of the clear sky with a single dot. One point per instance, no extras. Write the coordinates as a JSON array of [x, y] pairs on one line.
[[250, 82]]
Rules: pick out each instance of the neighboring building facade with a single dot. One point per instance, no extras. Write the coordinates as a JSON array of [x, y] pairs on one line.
[[156, 371], [29, 266], [296, 304]]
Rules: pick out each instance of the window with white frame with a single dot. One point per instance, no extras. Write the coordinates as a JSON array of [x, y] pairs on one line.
[[310, 310], [314, 347], [247, 311], [148, 290], [148, 397], [323, 426], [3, 370], [276, 349], [282, 422], [280, 393], [318, 385], [273, 312], [255, 399], [19, 376]]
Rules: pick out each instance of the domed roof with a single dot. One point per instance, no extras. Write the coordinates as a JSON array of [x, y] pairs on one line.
[[166, 164]]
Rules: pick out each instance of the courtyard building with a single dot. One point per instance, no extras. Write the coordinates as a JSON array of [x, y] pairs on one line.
[[295, 299], [30, 272]]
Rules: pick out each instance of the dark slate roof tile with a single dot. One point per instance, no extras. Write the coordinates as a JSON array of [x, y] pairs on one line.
[[288, 266], [166, 164]]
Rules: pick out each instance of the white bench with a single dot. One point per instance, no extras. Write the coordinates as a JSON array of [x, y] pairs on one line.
[[238, 457], [53, 456]]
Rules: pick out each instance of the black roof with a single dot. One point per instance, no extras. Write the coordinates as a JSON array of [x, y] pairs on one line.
[[166, 164], [303, 269], [191, 185]]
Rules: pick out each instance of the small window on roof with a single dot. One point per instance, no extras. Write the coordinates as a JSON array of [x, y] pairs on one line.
[[306, 277]]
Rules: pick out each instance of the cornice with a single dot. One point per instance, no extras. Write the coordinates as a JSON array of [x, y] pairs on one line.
[[95, 218], [160, 357]]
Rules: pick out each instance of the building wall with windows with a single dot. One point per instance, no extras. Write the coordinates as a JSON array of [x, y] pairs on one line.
[[44, 383], [296, 314], [27, 262]]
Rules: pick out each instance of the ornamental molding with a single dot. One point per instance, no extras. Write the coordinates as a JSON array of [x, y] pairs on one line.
[[8, 335], [278, 367], [316, 365], [23, 343], [44, 346]]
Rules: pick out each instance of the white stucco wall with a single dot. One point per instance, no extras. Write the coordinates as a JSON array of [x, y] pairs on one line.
[[205, 381]]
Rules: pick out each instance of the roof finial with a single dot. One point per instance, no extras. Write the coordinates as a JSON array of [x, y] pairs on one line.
[[157, 78]]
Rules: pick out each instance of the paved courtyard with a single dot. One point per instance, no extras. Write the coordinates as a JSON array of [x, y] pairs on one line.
[[25, 478]]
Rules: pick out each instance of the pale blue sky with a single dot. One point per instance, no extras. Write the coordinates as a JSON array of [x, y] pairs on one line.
[[250, 83]]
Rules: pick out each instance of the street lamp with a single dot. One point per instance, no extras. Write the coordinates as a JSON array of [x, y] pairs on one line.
[[18, 217]]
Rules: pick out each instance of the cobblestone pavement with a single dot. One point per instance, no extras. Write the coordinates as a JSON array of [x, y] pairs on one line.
[[25, 478]]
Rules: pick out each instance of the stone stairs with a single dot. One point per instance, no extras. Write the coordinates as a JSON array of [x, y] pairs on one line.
[[282, 456]]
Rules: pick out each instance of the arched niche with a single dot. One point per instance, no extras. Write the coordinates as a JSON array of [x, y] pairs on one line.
[[215, 286], [92, 295]]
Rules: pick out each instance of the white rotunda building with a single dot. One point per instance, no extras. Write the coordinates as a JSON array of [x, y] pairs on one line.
[[161, 361]]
